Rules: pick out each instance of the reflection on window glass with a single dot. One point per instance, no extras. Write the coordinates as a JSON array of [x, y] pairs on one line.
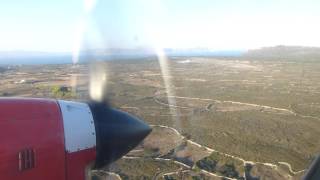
[[230, 88]]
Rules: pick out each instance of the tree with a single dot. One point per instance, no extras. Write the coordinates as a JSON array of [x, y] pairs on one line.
[[61, 92]]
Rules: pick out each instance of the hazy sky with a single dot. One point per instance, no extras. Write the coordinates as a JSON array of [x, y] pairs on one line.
[[66, 25]]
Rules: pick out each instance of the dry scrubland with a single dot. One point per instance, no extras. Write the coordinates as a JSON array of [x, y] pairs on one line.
[[248, 112]]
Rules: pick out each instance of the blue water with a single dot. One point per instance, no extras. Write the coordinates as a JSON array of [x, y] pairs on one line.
[[67, 59]]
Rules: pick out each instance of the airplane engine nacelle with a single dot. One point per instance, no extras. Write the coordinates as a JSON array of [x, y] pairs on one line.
[[56, 140]]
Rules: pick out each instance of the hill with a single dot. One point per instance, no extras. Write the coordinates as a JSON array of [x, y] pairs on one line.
[[284, 53]]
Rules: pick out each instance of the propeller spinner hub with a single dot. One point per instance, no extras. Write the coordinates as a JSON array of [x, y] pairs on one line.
[[113, 132], [117, 132]]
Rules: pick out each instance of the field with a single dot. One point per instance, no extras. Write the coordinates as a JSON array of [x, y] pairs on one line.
[[220, 118]]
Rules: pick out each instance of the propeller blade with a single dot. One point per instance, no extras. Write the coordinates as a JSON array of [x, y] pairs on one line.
[[98, 81]]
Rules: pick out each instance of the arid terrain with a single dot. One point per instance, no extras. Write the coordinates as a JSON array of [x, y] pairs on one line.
[[211, 118]]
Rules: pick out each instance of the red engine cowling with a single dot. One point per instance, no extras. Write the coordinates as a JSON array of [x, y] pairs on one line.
[[39, 142], [56, 140]]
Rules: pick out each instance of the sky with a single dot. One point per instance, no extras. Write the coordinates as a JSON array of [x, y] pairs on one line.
[[75, 25]]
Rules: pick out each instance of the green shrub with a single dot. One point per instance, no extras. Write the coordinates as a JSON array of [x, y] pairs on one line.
[[62, 92]]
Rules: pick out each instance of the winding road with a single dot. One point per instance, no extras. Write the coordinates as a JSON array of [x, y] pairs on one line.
[[210, 150]]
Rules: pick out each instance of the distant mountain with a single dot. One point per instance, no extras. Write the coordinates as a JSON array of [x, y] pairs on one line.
[[297, 53]]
